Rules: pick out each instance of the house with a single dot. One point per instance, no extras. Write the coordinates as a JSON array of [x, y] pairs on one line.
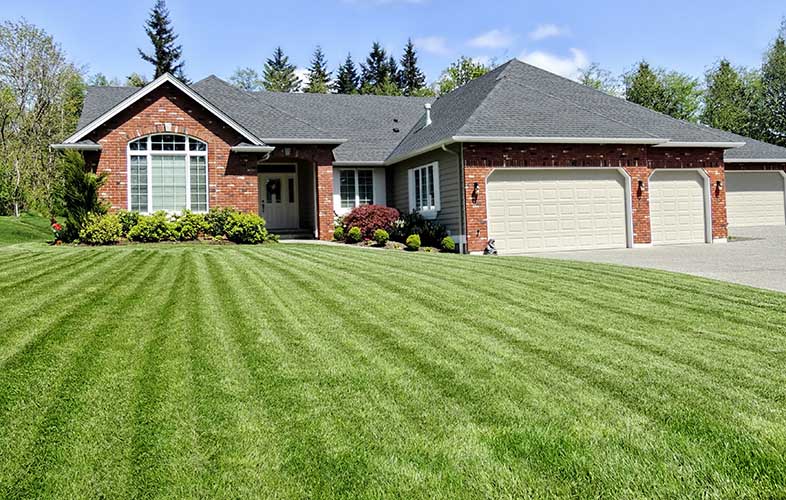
[[535, 161]]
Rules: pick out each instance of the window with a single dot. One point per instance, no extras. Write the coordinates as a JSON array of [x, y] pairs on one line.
[[424, 189], [356, 187], [167, 172]]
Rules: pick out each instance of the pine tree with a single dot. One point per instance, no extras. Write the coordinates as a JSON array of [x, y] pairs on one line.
[[412, 78], [771, 110], [643, 87], [279, 74], [376, 70], [347, 79], [394, 75], [318, 74], [166, 56], [727, 100]]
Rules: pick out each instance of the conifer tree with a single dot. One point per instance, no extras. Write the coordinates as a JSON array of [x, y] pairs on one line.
[[166, 55], [771, 109], [347, 79], [412, 78], [279, 74], [318, 74]]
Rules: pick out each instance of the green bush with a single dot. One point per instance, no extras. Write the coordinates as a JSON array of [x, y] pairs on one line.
[[381, 237], [413, 242], [101, 230], [80, 194], [430, 232], [153, 228], [216, 220], [354, 235], [189, 225], [246, 228], [338, 233], [128, 220], [448, 244]]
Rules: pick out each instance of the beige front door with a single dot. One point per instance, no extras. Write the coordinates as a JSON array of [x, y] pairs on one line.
[[278, 200]]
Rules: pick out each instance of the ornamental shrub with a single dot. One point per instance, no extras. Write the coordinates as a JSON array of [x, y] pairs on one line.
[[381, 237], [216, 220], [153, 228], [338, 233], [188, 225], [369, 218], [413, 242], [101, 230], [354, 235], [246, 228], [448, 244], [80, 194], [128, 220], [431, 233]]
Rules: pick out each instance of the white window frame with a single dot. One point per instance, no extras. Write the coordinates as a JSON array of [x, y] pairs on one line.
[[148, 154], [433, 209], [357, 186]]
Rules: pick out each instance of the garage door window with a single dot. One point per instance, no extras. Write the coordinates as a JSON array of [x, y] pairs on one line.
[[424, 189]]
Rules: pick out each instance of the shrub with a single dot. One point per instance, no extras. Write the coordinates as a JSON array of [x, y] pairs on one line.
[[369, 218], [338, 233], [448, 244], [128, 220], [354, 235], [216, 220], [153, 228], [188, 225], [431, 233], [101, 230], [381, 237], [413, 242], [246, 228], [80, 194]]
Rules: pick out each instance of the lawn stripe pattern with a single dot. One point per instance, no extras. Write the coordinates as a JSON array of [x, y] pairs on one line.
[[302, 371]]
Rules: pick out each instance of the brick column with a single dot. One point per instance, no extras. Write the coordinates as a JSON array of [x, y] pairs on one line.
[[640, 203], [324, 186], [477, 218], [718, 202]]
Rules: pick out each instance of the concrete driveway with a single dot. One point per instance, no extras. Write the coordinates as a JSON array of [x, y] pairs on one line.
[[754, 256]]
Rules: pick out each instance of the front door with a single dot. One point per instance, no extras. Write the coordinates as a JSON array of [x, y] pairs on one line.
[[278, 200]]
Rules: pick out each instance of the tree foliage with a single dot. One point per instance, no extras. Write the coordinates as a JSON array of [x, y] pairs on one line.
[[80, 193], [167, 55], [279, 74], [379, 74], [771, 109], [318, 74], [460, 72], [41, 96], [728, 99], [672, 93], [599, 79], [411, 78], [246, 79], [136, 80], [347, 80]]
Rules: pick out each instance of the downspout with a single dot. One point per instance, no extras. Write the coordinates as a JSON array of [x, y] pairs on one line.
[[459, 158]]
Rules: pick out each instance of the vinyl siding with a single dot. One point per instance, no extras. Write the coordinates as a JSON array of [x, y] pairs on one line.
[[449, 186]]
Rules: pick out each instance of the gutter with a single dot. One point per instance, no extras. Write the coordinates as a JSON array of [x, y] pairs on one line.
[[303, 141], [754, 160], [359, 163], [76, 146], [724, 145], [560, 140], [252, 149]]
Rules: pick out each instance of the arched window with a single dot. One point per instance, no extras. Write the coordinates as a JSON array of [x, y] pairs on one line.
[[167, 172]]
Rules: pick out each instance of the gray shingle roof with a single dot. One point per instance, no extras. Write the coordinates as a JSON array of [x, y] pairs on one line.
[[99, 100], [753, 149]]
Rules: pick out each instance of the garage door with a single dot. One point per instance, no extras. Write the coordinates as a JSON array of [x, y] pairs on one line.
[[755, 199], [677, 207], [550, 210]]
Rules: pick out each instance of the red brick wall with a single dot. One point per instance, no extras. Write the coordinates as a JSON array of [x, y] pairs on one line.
[[638, 161], [232, 180]]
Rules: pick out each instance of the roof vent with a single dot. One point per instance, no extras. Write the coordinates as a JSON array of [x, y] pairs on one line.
[[428, 114]]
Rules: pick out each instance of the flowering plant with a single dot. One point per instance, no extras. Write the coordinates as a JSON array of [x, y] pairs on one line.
[[56, 230]]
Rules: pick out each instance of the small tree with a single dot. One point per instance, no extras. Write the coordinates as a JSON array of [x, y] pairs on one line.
[[80, 194], [412, 78], [246, 79], [279, 74], [166, 55], [318, 74], [461, 72], [347, 79]]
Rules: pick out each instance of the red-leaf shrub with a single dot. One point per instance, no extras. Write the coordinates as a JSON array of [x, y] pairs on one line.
[[369, 218]]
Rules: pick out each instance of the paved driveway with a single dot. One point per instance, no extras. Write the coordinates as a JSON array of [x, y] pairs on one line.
[[754, 256]]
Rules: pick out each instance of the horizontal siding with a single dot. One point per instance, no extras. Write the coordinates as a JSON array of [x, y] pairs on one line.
[[449, 186]]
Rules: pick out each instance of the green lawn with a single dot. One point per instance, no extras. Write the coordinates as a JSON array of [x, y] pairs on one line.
[[304, 371]]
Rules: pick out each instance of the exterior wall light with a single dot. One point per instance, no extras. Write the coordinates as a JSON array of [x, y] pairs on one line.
[[475, 192]]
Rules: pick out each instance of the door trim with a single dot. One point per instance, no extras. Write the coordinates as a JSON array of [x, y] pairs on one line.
[[627, 188], [706, 190]]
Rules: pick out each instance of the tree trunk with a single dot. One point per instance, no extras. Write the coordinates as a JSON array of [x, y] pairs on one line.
[[16, 187]]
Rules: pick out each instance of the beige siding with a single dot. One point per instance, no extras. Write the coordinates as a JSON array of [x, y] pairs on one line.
[[449, 186]]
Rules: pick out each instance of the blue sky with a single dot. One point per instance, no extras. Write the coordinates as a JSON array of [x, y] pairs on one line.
[[221, 35]]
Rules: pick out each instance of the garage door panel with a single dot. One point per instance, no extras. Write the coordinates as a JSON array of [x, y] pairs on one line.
[[677, 212], [561, 210], [755, 199]]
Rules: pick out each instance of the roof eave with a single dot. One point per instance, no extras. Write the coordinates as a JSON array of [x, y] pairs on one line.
[[359, 163], [755, 160], [299, 140], [252, 149], [560, 140], [688, 144], [76, 147]]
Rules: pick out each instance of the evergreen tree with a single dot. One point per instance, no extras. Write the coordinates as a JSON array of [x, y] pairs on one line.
[[166, 56], [318, 75], [394, 75], [347, 79], [727, 99], [672, 93], [644, 87], [412, 78], [246, 79], [771, 109], [279, 74], [376, 70]]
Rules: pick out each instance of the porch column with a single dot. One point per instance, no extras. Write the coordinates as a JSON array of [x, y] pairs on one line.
[[324, 194]]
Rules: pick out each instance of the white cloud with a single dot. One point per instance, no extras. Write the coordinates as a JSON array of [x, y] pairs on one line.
[[494, 39], [302, 73], [436, 45], [547, 31], [568, 67]]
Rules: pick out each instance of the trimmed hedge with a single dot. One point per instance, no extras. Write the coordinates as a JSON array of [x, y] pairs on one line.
[[153, 228], [413, 242], [101, 230], [246, 228], [354, 235], [381, 237]]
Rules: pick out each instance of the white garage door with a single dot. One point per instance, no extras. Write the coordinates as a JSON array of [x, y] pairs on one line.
[[755, 199], [550, 210], [677, 207]]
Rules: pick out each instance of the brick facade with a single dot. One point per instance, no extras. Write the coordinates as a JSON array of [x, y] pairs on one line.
[[639, 162]]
